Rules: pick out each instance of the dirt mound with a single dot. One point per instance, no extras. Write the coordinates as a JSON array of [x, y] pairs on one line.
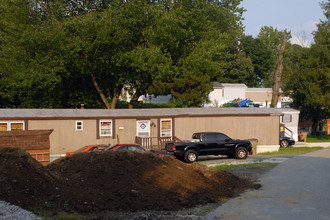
[[23, 180], [112, 180]]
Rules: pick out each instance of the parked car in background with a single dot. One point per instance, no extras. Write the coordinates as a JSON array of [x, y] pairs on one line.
[[286, 142], [98, 147], [132, 147], [136, 147]]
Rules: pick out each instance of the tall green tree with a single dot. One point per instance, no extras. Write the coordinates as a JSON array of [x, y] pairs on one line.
[[272, 38], [277, 41], [18, 80], [201, 38], [146, 64], [82, 52], [262, 59], [309, 84], [87, 51], [33, 66]]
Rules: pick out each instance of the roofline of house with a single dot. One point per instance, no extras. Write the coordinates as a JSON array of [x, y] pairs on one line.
[[61, 114]]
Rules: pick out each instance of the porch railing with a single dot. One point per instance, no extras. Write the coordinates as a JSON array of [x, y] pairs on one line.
[[155, 143], [288, 132]]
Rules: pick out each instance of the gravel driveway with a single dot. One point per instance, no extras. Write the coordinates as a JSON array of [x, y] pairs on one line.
[[12, 212]]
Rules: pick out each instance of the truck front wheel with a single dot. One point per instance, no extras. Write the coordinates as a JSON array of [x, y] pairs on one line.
[[191, 156], [241, 153]]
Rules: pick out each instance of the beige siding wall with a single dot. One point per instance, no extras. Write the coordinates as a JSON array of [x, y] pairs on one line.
[[125, 130], [65, 138], [262, 98], [259, 97], [154, 128], [265, 129]]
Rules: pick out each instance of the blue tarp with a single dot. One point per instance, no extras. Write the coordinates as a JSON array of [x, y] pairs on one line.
[[244, 103]]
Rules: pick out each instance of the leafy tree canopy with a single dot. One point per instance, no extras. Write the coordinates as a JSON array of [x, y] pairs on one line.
[[61, 53], [308, 82], [262, 59]]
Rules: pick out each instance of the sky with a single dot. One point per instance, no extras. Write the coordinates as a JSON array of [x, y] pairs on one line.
[[298, 16]]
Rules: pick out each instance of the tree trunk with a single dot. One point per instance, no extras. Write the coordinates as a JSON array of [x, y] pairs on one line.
[[278, 73], [104, 99], [96, 85], [134, 100], [116, 96], [314, 126], [114, 101]]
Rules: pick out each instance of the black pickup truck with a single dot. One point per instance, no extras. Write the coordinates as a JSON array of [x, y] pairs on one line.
[[209, 143]]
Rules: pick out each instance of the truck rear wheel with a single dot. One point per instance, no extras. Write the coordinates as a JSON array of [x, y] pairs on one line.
[[241, 153], [191, 156]]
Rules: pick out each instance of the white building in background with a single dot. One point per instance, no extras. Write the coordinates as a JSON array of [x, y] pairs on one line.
[[155, 99], [290, 120], [225, 92]]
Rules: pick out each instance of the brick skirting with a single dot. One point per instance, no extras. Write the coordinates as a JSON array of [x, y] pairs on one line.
[[35, 142]]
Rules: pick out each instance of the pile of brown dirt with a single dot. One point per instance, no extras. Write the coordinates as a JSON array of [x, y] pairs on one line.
[[93, 182]]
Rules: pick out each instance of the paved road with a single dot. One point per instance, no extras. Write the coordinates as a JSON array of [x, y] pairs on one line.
[[295, 189], [304, 144]]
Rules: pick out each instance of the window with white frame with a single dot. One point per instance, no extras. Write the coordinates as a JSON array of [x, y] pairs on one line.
[[12, 126], [286, 118], [16, 126], [79, 126], [165, 127], [105, 128]]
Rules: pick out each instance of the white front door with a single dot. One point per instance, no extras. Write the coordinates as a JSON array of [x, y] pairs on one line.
[[143, 131], [143, 128]]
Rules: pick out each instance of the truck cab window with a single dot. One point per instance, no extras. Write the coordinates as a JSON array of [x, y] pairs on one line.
[[221, 137], [209, 137], [196, 136]]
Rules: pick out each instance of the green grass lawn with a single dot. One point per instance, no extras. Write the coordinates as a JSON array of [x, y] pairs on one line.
[[293, 150], [318, 139], [228, 166], [287, 150]]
